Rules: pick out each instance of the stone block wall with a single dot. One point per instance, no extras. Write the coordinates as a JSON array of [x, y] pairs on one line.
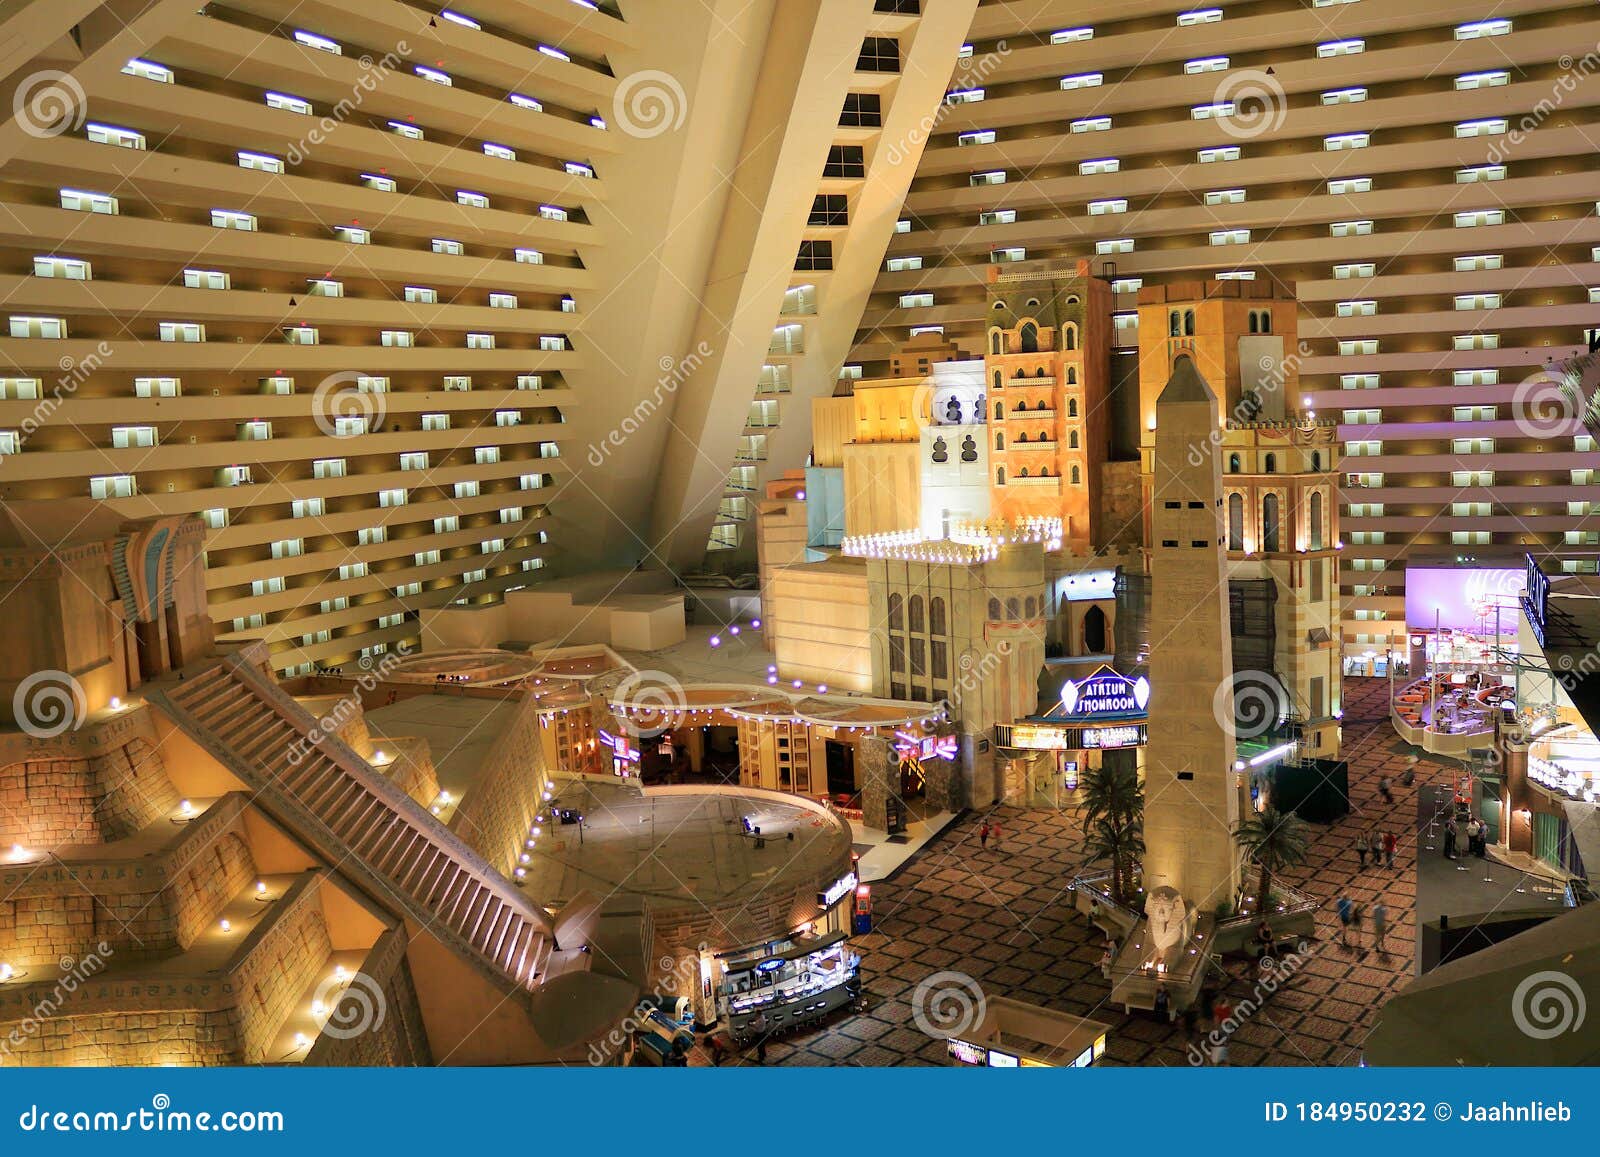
[[207, 882], [399, 1039], [494, 817], [286, 963], [84, 799], [144, 909], [133, 1038]]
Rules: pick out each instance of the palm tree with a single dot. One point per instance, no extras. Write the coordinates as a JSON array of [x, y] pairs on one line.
[[1112, 793], [1120, 843], [1274, 840], [1113, 821]]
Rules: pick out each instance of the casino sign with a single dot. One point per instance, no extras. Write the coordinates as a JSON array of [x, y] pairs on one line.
[[1102, 711]]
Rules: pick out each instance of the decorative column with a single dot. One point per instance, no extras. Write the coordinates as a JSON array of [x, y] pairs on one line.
[[879, 769]]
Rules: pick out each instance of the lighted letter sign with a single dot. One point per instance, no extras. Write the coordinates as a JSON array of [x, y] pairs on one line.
[[1132, 735], [1105, 693], [933, 747], [837, 891]]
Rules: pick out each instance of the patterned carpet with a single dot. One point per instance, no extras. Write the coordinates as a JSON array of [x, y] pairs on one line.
[[1002, 917]]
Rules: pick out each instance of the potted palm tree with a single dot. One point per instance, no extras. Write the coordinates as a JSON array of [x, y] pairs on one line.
[[1274, 840]]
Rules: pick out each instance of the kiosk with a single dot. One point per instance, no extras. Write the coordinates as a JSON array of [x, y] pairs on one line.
[[787, 985]]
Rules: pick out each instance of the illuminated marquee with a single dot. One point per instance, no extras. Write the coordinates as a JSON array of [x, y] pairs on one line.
[[1105, 693]]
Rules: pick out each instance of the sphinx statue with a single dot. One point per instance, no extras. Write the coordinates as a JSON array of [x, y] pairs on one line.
[[1168, 920]]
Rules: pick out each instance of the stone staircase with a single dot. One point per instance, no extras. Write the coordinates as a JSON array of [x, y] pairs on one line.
[[358, 820]]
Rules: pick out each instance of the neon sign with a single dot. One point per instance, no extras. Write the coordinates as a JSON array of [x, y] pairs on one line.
[[1104, 737], [933, 747], [620, 746], [1105, 693], [837, 891]]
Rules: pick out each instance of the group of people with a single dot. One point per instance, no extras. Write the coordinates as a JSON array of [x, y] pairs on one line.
[[446, 677], [1477, 838], [1350, 916], [1381, 846]]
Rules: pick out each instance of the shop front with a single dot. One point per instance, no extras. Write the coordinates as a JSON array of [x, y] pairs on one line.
[[1090, 719], [788, 984]]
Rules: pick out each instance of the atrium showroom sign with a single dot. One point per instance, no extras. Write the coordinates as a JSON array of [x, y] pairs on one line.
[[1105, 693]]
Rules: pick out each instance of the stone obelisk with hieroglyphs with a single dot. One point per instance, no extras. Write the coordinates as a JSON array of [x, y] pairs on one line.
[[1193, 797]]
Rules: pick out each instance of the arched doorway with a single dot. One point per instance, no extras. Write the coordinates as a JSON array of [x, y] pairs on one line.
[[1094, 631]]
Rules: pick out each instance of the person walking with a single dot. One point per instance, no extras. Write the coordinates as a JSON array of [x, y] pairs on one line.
[[1221, 1013], [1346, 914], [758, 1027], [1390, 843], [1384, 785], [1163, 1006], [1361, 849], [1375, 846], [983, 834], [1380, 926], [1450, 838], [994, 833]]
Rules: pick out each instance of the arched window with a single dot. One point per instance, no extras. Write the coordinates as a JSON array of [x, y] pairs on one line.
[[1269, 523], [994, 341], [1270, 464], [936, 624], [1266, 321], [1023, 473], [1029, 336], [916, 622], [1316, 460], [1174, 323], [1255, 322], [999, 441], [1013, 610], [1022, 437], [1072, 407], [999, 410], [1075, 476], [999, 383], [1030, 608], [1235, 522], [999, 475], [1233, 463], [896, 608], [1072, 375], [1069, 336], [994, 610], [1072, 440], [1072, 299], [1040, 373], [1188, 323], [1316, 522]]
